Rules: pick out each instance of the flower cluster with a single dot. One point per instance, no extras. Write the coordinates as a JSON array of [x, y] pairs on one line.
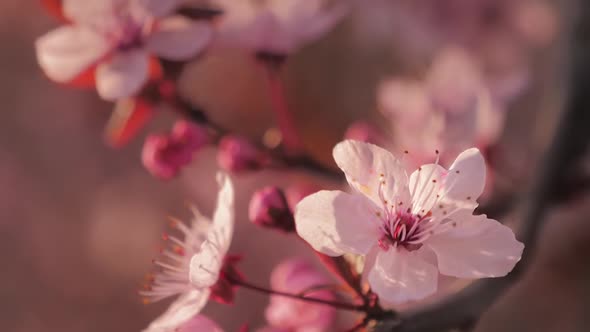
[[405, 222]]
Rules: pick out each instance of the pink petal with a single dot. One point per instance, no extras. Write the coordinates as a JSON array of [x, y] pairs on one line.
[[123, 76], [365, 163], [224, 215], [334, 222], [467, 177], [180, 311], [399, 276], [478, 247], [178, 38], [68, 51]]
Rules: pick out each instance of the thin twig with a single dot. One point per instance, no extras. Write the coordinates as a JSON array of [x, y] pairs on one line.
[[335, 304]]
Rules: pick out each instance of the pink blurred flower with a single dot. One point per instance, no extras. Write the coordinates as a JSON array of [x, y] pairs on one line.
[[192, 267], [199, 323], [277, 26], [165, 155], [284, 314], [451, 110], [111, 41], [409, 228]]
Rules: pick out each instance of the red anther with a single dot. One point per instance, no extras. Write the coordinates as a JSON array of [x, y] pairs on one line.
[[165, 236], [179, 250]]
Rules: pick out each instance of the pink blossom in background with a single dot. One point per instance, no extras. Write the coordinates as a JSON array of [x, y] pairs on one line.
[[192, 267], [409, 229], [502, 34], [112, 41], [276, 26], [450, 110], [199, 323], [284, 314], [165, 155]]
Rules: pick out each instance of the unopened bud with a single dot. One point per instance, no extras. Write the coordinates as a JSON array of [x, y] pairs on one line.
[[194, 136], [238, 154], [269, 208], [161, 158]]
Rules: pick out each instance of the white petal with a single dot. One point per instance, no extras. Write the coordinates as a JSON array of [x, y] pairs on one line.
[[399, 276], [334, 222], [467, 177], [425, 184], [206, 264], [66, 52], [224, 215], [478, 247], [180, 311], [364, 163], [123, 76], [178, 38]]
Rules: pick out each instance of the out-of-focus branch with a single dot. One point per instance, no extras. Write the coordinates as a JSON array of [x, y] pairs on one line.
[[569, 144]]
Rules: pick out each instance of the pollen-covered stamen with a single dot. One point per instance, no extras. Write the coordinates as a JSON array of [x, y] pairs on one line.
[[174, 263], [410, 225]]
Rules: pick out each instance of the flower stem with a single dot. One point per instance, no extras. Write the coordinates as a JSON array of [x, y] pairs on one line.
[[335, 304], [291, 140]]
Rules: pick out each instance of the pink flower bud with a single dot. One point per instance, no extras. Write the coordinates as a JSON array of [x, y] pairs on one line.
[[269, 208], [364, 132], [156, 157], [238, 154], [297, 275], [193, 135]]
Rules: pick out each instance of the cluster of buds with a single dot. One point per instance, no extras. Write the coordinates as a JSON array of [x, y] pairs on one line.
[[165, 155]]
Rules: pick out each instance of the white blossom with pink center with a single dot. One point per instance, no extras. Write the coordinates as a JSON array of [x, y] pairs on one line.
[[409, 228], [452, 108], [276, 26], [115, 38], [192, 266]]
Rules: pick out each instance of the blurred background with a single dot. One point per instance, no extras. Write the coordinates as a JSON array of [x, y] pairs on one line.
[[80, 221]]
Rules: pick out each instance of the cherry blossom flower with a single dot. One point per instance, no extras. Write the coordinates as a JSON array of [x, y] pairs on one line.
[[409, 228], [451, 109], [193, 267], [110, 42], [284, 314], [276, 27]]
